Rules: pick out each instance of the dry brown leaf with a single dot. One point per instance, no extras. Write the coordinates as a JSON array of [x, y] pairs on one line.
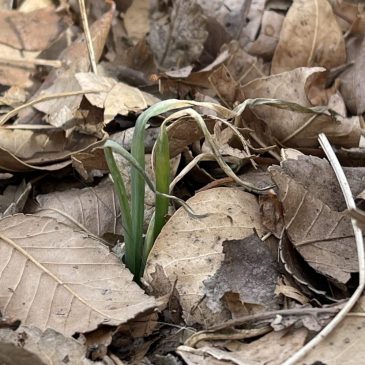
[[353, 79], [177, 39], [96, 208], [13, 198], [324, 237], [76, 59], [273, 348], [190, 250], [265, 44], [25, 150], [310, 37], [123, 99], [22, 30], [344, 345], [50, 347], [136, 20], [298, 129], [55, 277]]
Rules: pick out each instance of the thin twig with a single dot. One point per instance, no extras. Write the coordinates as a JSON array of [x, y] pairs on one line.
[[360, 252], [42, 98], [89, 41]]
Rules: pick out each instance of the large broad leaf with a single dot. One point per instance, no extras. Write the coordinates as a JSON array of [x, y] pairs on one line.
[[190, 250], [52, 276], [310, 37]]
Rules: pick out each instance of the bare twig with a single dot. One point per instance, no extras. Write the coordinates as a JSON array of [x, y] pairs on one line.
[[89, 42], [360, 252]]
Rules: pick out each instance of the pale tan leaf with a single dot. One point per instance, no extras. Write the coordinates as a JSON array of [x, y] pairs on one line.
[[310, 37], [55, 277], [136, 20], [190, 250]]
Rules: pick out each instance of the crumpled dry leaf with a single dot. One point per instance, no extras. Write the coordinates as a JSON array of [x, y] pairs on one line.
[[190, 250], [344, 344], [96, 208], [298, 129], [13, 198], [46, 346], [353, 79], [324, 237], [310, 37], [67, 280], [177, 39]]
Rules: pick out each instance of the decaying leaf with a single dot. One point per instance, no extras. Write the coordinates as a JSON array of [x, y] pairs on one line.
[[293, 128], [240, 273], [55, 277], [310, 37], [178, 39], [323, 237], [190, 250], [48, 346]]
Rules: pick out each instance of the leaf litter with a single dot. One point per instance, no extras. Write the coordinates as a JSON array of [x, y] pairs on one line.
[[265, 269]]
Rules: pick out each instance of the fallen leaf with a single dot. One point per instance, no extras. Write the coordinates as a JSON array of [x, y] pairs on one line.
[[323, 237], [298, 129], [344, 344], [96, 208], [67, 281], [243, 66], [266, 42], [124, 99], [21, 30], [45, 346], [352, 80], [273, 348], [13, 198], [177, 39], [310, 36], [136, 20], [190, 250]]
